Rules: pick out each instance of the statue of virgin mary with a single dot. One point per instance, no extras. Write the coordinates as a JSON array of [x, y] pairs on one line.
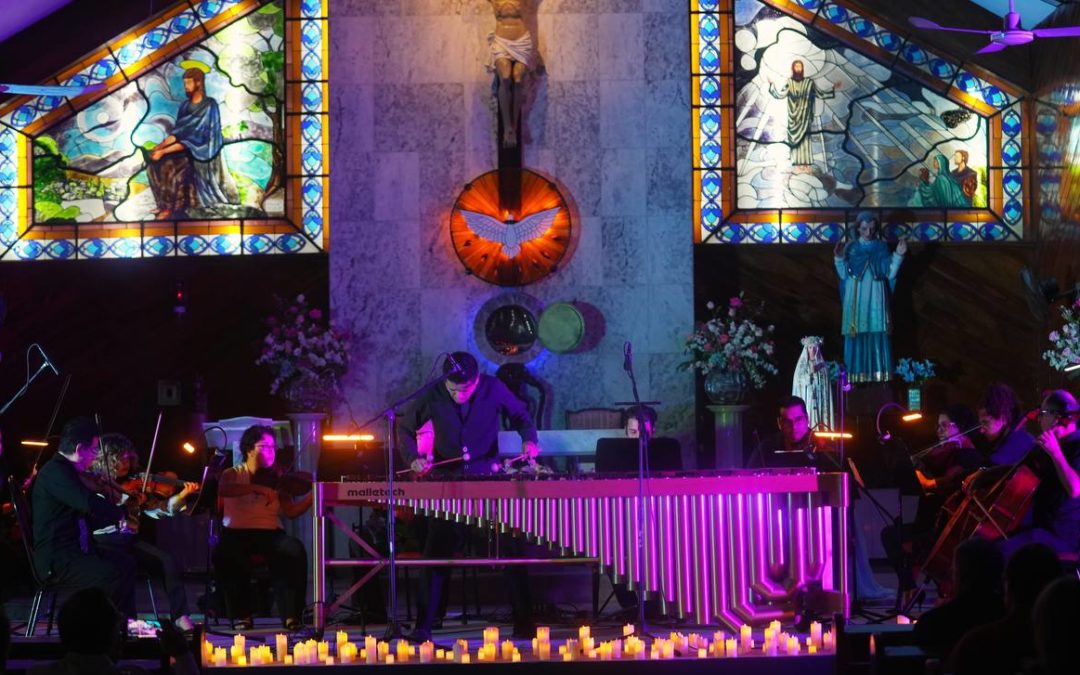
[[811, 384]]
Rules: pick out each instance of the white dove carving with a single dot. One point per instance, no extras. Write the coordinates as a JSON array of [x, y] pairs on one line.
[[509, 233]]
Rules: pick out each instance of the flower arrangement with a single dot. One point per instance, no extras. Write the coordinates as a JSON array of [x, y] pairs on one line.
[[915, 372], [732, 341], [306, 355], [1066, 340]]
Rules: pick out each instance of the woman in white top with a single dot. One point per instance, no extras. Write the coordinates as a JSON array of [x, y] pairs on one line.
[[252, 526]]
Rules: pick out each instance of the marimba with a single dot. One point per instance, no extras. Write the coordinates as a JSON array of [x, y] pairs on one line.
[[738, 547]]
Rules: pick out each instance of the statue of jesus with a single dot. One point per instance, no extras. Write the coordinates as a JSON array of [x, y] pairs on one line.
[[512, 55]]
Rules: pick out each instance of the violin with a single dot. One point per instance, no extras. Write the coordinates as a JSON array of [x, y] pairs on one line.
[[163, 485], [291, 483]]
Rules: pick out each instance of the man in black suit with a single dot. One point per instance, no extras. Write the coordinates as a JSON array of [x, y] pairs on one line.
[[61, 506]]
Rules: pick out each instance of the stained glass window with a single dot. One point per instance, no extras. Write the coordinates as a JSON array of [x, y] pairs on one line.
[[806, 112], [207, 137]]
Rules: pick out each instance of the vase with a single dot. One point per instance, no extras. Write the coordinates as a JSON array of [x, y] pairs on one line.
[[724, 387], [914, 399]]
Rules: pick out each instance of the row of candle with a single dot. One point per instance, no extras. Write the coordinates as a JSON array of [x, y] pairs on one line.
[[585, 647]]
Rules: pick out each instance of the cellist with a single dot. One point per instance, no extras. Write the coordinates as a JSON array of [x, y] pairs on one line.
[[999, 415], [1054, 519]]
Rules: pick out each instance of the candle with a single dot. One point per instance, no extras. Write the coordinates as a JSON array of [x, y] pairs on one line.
[[389, 659], [544, 650], [827, 641], [235, 652], [628, 629], [815, 632], [288, 660], [323, 650], [402, 651], [583, 632], [465, 658], [282, 644], [507, 649], [515, 657], [812, 649], [730, 647], [239, 640], [427, 651], [219, 656], [440, 654], [702, 653], [543, 632], [745, 637]]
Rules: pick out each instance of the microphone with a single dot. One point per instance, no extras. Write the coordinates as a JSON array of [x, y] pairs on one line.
[[48, 361], [628, 357], [455, 367], [844, 384]]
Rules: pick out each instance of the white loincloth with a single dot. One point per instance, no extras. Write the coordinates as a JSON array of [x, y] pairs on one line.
[[518, 51]]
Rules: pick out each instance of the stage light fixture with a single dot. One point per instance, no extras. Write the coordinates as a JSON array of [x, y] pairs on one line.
[[348, 438]]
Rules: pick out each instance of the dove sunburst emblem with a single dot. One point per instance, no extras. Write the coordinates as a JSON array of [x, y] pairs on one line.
[[510, 248]]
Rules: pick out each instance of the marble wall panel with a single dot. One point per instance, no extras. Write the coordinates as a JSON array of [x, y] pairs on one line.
[[608, 121]]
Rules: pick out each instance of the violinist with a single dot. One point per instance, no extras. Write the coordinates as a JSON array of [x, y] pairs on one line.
[[794, 444], [64, 551], [1055, 512], [940, 469], [252, 525], [119, 461]]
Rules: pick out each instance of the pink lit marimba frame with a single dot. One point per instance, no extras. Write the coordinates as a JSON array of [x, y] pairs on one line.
[[729, 549]]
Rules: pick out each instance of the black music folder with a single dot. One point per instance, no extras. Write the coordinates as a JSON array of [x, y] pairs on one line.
[[620, 455]]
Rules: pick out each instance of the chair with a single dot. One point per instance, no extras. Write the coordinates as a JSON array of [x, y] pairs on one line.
[[594, 418], [43, 586]]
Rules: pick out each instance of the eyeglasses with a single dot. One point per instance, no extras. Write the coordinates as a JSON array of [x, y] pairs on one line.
[[266, 446], [1055, 413]]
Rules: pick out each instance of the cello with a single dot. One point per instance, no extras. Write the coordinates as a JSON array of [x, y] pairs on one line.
[[984, 508]]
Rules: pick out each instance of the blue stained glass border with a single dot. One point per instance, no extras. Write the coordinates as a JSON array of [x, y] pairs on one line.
[[712, 215], [158, 41]]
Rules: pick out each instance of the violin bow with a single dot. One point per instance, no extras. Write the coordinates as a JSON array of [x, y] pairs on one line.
[[153, 448]]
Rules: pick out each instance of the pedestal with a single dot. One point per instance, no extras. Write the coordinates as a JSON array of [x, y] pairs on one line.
[[727, 426], [307, 438]]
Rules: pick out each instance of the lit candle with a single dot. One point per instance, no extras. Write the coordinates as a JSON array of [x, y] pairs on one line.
[[281, 642], [583, 632], [323, 650], [440, 654], [745, 637], [402, 651], [288, 660], [235, 652], [815, 632], [827, 642], [544, 650], [427, 651], [465, 658], [702, 652], [543, 632], [389, 659], [515, 657], [241, 661], [812, 649], [219, 656], [507, 649], [239, 640], [730, 647]]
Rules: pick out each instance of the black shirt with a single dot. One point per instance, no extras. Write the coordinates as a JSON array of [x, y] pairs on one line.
[[1051, 507], [473, 425], [59, 501]]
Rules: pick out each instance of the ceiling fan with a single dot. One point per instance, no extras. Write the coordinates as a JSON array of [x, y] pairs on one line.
[[1011, 35], [48, 89]]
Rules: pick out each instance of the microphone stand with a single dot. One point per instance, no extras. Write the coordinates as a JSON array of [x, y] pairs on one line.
[[393, 628], [642, 628], [26, 386]]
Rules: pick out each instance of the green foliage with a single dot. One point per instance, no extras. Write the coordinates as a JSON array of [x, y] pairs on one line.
[[51, 212]]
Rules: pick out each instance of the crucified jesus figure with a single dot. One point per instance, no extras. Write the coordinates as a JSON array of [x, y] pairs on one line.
[[511, 57]]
